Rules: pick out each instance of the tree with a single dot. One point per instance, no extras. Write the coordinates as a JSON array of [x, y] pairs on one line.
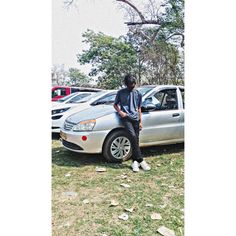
[[156, 37], [167, 19], [77, 78], [59, 75], [162, 64], [111, 58]]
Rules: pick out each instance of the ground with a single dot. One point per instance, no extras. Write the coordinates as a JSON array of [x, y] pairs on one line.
[[81, 197]]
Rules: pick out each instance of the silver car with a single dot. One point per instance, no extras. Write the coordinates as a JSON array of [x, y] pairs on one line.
[[100, 130]]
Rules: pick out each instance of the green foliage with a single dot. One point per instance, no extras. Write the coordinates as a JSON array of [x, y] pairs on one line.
[[173, 22], [77, 78], [111, 58], [153, 54]]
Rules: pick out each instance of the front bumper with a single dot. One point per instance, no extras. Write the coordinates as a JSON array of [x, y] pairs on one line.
[[73, 141], [57, 124]]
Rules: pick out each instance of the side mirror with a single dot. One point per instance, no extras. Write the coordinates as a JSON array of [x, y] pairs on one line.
[[148, 107]]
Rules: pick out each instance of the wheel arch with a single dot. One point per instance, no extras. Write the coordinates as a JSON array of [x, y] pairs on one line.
[[111, 132]]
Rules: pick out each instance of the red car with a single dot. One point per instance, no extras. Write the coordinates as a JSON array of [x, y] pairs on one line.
[[62, 91]]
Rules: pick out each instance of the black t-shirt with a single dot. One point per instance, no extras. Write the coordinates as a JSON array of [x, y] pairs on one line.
[[129, 101]]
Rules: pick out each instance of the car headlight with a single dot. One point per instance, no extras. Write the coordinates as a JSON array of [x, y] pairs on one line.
[[86, 125], [57, 111]]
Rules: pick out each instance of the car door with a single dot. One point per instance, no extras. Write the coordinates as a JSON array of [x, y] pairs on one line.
[[162, 125]]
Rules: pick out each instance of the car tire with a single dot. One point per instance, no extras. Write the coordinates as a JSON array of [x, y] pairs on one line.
[[116, 140]]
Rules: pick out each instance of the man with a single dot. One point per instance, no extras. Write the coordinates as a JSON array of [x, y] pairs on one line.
[[129, 100]]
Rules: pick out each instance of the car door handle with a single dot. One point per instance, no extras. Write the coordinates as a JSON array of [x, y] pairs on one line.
[[175, 114]]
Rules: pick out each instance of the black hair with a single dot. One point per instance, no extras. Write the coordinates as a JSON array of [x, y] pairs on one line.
[[129, 79]]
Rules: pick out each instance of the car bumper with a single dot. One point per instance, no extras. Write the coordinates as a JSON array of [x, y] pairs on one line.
[[57, 124], [73, 141]]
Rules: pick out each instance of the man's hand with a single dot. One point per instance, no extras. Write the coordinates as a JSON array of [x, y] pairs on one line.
[[140, 125], [122, 114]]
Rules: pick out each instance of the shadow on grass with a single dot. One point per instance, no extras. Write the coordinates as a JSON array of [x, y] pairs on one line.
[[63, 157], [55, 136]]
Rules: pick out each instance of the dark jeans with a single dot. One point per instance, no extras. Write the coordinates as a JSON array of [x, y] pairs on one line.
[[132, 127]]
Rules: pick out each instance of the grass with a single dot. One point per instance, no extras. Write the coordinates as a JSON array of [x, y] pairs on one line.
[[163, 187]]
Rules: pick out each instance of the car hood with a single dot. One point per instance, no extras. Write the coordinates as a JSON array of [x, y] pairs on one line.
[[91, 113], [66, 105]]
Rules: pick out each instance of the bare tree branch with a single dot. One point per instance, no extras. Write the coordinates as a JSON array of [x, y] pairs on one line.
[[177, 34], [135, 8], [147, 22]]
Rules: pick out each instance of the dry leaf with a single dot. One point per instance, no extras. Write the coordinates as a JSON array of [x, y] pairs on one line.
[[156, 216], [123, 216], [85, 201], [165, 231], [129, 209], [125, 185], [71, 194], [114, 203], [100, 169], [123, 176]]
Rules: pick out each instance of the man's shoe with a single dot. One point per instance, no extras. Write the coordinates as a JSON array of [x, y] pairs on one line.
[[135, 166], [145, 165]]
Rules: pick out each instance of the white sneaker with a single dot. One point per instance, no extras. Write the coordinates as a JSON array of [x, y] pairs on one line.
[[135, 166], [145, 165]]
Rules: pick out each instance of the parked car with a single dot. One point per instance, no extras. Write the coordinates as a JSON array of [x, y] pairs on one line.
[[62, 111], [71, 98], [100, 130], [62, 91]]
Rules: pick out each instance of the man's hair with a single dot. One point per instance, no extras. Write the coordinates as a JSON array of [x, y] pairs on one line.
[[129, 79]]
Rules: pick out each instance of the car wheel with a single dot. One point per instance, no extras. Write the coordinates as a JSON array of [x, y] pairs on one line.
[[117, 147]]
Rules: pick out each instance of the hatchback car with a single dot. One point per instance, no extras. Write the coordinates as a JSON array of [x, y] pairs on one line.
[[72, 98], [62, 111], [100, 130]]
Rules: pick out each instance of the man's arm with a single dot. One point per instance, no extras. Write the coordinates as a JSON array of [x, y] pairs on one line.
[[117, 101], [121, 113]]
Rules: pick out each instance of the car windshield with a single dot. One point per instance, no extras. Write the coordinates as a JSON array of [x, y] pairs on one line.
[[145, 90], [66, 98], [79, 97], [93, 96]]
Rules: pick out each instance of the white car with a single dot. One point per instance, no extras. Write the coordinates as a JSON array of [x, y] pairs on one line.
[[99, 129], [62, 111], [71, 98]]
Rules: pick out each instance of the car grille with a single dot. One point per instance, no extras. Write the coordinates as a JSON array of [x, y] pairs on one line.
[[68, 126], [71, 145]]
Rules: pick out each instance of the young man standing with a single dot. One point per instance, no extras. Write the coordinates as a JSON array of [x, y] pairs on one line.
[[128, 104]]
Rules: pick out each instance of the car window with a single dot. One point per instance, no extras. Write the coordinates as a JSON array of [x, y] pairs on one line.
[[144, 90], [182, 94], [110, 98], [65, 98], [92, 96], [73, 90], [163, 100], [79, 97]]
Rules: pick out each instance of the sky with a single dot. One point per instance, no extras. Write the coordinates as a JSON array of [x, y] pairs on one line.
[[69, 24]]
